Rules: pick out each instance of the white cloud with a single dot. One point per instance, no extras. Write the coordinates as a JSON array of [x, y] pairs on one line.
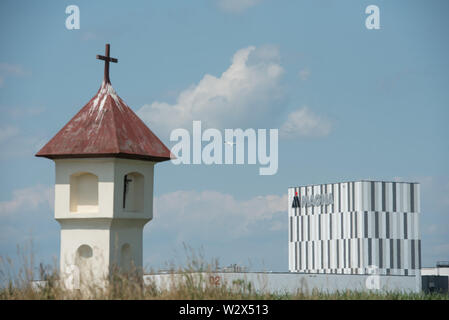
[[441, 250], [304, 74], [8, 69], [244, 95], [236, 6], [211, 215], [436, 189], [88, 35], [19, 112], [27, 215], [304, 122], [14, 144], [13, 69], [8, 132], [27, 199]]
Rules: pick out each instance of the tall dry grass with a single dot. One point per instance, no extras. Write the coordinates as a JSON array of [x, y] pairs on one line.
[[17, 284]]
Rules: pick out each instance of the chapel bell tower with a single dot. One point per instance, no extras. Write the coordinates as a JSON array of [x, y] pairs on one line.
[[104, 158]]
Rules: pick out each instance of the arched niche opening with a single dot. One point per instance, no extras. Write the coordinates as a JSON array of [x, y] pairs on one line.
[[83, 261], [126, 258], [83, 192], [133, 192]]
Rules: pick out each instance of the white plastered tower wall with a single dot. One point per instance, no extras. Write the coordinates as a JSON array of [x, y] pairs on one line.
[[98, 230]]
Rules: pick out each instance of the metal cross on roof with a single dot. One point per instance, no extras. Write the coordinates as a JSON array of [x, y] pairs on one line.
[[107, 59]]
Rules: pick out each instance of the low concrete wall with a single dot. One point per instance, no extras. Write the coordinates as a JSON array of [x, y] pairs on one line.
[[292, 282], [435, 271]]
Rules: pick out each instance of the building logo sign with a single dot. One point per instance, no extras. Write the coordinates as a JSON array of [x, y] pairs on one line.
[[314, 200]]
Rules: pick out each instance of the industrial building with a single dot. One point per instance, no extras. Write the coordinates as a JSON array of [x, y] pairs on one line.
[[436, 279], [356, 235], [356, 227]]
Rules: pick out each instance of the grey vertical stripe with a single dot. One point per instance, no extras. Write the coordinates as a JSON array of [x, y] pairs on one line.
[[387, 227], [383, 197], [366, 224], [358, 252], [342, 225], [330, 226], [300, 256], [398, 241], [328, 254], [405, 225], [380, 254], [394, 196], [419, 254], [370, 258], [356, 224], [376, 224], [338, 252], [412, 197], [413, 253], [325, 207], [391, 253], [373, 203], [322, 254]]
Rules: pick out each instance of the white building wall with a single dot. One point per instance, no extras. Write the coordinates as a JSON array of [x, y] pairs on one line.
[[435, 271], [293, 282], [102, 168], [107, 227]]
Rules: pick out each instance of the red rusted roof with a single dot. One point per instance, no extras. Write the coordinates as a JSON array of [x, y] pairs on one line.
[[106, 127]]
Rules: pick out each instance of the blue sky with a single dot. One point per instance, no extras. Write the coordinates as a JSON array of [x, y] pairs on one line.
[[368, 104]]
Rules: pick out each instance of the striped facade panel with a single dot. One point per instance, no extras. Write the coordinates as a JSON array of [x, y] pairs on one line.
[[368, 225]]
